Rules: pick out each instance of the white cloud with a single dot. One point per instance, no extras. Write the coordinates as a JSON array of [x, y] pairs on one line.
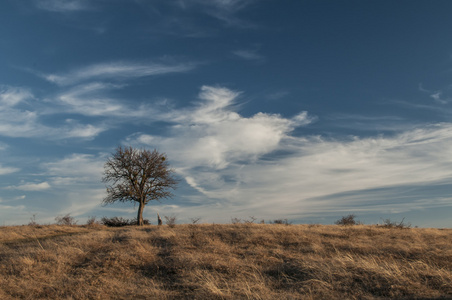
[[254, 165], [84, 131], [438, 97], [76, 167], [441, 96], [18, 122], [214, 135], [31, 186], [7, 170], [76, 182], [6, 211], [14, 120], [116, 71], [92, 100], [11, 96]]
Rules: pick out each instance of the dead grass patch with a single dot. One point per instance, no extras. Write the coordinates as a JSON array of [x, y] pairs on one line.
[[249, 261]]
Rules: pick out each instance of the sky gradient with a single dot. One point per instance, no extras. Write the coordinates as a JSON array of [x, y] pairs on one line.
[[305, 110]]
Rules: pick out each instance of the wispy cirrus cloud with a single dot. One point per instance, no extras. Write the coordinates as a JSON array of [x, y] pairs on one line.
[[77, 182], [93, 99], [16, 121], [74, 180], [116, 71], [248, 54], [63, 5], [77, 167], [388, 123], [35, 187], [225, 11], [442, 96], [81, 93], [11, 96]]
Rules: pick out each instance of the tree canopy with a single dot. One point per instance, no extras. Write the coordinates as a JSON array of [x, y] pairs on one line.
[[138, 175]]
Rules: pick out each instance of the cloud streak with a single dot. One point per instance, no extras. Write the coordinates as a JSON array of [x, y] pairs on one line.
[[35, 187], [62, 6], [16, 120], [247, 54], [92, 99], [8, 170], [116, 71]]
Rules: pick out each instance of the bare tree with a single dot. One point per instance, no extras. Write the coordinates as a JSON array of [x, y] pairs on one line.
[[138, 175]]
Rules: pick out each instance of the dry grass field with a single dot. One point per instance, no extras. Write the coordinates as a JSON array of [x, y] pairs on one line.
[[234, 261]]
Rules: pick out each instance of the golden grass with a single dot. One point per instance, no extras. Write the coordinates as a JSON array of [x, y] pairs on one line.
[[237, 261]]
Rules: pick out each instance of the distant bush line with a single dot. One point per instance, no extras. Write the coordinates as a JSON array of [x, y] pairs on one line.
[[170, 221]]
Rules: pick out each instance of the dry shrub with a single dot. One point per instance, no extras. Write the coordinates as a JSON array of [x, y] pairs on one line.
[[120, 222], [33, 221], [236, 220], [170, 221], [281, 222], [92, 221], [66, 220], [347, 220], [195, 220], [387, 223]]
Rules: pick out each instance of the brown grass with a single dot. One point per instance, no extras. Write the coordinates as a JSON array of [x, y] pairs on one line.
[[237, 261]]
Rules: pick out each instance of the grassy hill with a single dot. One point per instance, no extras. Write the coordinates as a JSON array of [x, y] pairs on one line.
[[234, 261]]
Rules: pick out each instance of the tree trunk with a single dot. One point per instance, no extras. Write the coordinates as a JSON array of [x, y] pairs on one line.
[[140, 214]]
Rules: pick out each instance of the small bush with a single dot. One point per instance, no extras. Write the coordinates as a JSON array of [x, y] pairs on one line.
[[251, 220], [387, 223], [91, 221], [236, 220], [347, 220], [195, 221], [33, 221], [66, 220], [281, 222], [170, 221], [120, 221]]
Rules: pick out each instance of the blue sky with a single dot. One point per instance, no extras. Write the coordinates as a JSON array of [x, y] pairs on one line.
[[305, 110]]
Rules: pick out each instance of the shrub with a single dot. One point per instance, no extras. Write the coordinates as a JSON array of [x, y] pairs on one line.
[[195, 221], [33, 221], [66, 220], [170, 221], [120, 221], [281, 222], [387, 223], [91, 221], [251, 220], [347, 220], [236, 220]]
